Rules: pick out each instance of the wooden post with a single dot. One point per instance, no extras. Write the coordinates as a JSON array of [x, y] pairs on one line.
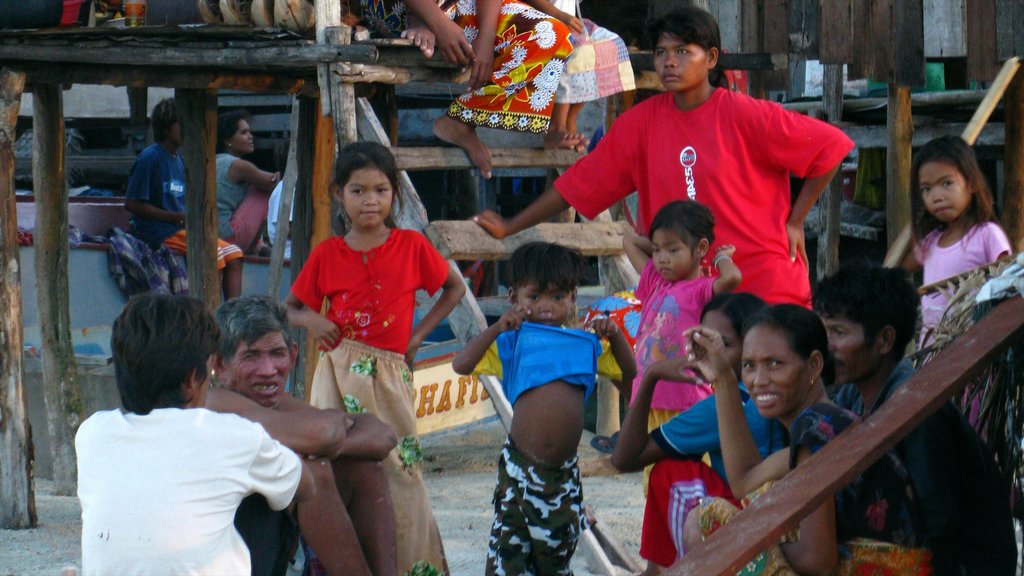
[[197, 117], [60, 384], [138, 105], [284, 207], [305, 146], [831, 200], [897, 183], [17, 499], [1013, 163]]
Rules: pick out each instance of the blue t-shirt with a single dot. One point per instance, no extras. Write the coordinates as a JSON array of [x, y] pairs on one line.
[[157, 177], [695, 431], [536, 354]]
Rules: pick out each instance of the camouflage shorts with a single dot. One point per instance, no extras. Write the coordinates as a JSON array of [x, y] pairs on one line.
[[537, 516]]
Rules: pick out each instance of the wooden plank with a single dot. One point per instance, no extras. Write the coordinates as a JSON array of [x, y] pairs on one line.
[[944, 34], [464, 240], [302, 220], [859, 63], [908, 43], [643, 60], [466, 320], [831, 200], [853, 451], [62, 395], [395, 75], [982, 62], [880, 49], [1013, 164], [17, 497], [278, 58], [451, 158], [803, 29], [898, 158], [197, 117], [876, 136], [835, 25], [283, 225]]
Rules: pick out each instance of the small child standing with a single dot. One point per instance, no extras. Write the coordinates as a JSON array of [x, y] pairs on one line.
[[369, 278], [954, 221], [672, 294], [547, 373]]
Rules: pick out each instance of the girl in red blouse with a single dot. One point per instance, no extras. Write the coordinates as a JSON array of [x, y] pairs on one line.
[[368, 279]]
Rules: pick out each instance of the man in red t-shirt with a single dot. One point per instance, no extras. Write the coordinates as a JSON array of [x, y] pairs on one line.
[[732, 153]]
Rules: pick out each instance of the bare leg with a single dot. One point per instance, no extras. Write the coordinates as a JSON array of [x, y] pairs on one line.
[[364, 490], [560, 134], [327, 526], [464, 136], [570, 119], [652, 570], [231, 279], [691, 529]]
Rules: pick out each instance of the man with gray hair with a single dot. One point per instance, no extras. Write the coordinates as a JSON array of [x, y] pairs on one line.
[[349, 524]]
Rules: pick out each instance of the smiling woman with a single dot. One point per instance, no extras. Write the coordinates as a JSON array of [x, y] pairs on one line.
[[873, 523], [243, 190]]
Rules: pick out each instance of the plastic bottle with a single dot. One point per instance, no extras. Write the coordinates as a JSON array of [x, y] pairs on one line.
[[134, 13]]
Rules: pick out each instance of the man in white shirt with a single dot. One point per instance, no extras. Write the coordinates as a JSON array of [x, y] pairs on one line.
[[159, 481]]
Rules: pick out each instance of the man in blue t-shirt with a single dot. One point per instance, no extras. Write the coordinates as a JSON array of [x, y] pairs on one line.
[[156, 197]]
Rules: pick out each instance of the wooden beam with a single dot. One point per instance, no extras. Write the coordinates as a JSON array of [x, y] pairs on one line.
[[277, 58], [17, 498], [464, 240], [908, 43], [1013, 163], [898, 158], [982, 63], [302, 220], [197, 116], [843, 459], [282, 227], [61, 392], [831, 200], [445, 158]]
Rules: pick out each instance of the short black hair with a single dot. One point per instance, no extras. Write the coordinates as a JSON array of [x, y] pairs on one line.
[[804, 330], [689, 220], [692, 25], [736, 306], [227, 125], [874, 297], [164, 115], [159, 341], [247, 319], [548, 266]]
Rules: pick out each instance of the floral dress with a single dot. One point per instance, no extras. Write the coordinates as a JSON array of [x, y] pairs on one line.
[[530, 50]]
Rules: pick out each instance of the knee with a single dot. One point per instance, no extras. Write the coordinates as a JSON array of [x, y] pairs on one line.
[[691, 529]]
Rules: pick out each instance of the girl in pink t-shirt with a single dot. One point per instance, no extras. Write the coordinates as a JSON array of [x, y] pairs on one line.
[[953, 220], [673, 293]]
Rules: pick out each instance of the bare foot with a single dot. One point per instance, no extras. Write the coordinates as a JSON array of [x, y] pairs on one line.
[[464, 136], [565, 140], [422, 37]]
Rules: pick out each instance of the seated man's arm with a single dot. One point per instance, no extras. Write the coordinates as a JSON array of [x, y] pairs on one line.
[[147, 210], [366, 436]]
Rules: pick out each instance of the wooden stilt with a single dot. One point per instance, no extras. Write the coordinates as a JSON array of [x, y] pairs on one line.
[[197, 115], [60, 384], [898, 158], [302, 220], [831, 200], [17, 498], [1013, 163]]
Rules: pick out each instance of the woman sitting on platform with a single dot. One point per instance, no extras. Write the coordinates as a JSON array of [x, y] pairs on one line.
[[872, 525], [243, 190]]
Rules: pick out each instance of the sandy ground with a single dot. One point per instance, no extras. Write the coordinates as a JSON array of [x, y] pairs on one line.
[[460, 475]]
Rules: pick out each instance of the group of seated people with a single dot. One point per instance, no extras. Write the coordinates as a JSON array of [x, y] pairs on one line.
[[155, 194]]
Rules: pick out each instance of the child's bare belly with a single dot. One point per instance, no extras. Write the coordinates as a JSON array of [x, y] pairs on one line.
[[548, 422]]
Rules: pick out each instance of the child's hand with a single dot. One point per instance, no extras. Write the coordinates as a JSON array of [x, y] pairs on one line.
[[325, 333], [492, 223], [674, 369], [574, 23], [705, 352], [452, 43], [603, 326], [483, 63], [725, 250], [410, 353], [513, 318]]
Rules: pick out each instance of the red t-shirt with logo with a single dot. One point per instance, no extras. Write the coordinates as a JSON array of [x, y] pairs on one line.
[[372, 294], [733, 154]]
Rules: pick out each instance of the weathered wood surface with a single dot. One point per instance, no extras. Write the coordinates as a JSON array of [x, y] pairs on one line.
[[444, 158], [17, 498], [1013, 167], [982, 62], [831, 200], [394, 75], [908, 43], [1009, 29], [197, 117], [61, 392], [835, 24], [302, 220], [466, 320], [898, 158], [944, 33], [853, 451], [283, 225], [464, 240]]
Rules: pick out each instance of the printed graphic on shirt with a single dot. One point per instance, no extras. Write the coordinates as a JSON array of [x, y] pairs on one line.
[[688, 158], [175, 188]]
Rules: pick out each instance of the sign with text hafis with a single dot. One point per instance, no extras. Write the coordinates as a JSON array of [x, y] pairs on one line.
[[445, 399]]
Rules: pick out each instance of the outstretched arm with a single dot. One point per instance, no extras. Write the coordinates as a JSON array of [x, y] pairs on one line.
[[809, 194], [451, 292], [549, 203], [635, 448]]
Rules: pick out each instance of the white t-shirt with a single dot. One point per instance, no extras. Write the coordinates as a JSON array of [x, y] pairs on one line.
[[159, 492], [272, 210]]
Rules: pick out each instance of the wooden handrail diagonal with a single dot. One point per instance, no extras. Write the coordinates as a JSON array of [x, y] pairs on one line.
[[853, 451]]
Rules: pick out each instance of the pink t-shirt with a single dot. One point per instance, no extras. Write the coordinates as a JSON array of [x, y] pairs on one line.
[[734, 154], [981, 245], [667, 309]]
